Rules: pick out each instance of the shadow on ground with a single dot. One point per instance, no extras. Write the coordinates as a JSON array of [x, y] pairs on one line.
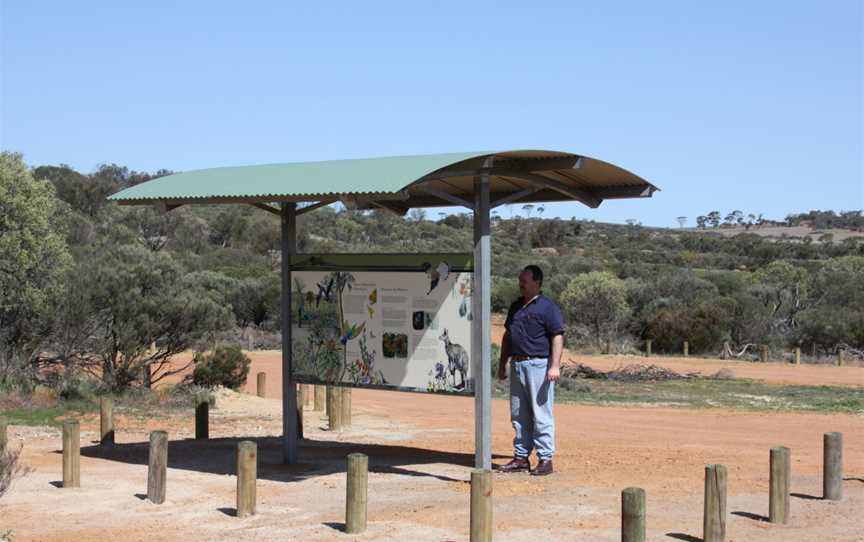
[[805, 496], [317, 457], [751, 515]]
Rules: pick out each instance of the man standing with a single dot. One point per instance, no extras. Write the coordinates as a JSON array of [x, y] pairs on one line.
[[533, 342]]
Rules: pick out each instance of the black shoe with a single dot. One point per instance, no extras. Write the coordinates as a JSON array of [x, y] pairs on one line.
[[543, 468], [517, 464]]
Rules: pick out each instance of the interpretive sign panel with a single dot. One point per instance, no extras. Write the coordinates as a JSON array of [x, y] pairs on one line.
[[387, 321]]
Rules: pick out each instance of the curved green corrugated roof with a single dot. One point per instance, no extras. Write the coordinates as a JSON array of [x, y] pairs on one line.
[[390, 175]]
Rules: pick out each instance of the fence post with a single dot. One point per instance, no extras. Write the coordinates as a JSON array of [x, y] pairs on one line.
[[247, 475], [832, 466], [840, 357], [763, 353], [106, 421], [4, 437], [686, 348], [648, 343], [261, 384], [308, 396], [633, 515], [202, 416], [356, 493], [334, 408], [345, 418], [320, 397], [778, 499], [481, 505], [797, 355], [714, 517], [157, 467], [71, 454]]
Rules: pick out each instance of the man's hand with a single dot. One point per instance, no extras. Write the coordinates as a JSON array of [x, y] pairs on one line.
[[502, 370], [553, 374]]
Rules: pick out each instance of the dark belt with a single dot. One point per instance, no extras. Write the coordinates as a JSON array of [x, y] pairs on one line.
[[525, 358]]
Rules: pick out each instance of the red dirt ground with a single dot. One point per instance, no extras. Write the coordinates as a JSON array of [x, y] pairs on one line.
[[421, 449]]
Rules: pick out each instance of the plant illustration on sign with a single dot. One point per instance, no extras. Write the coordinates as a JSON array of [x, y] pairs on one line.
[[362, 371], [321, 351], [395, 345], [438, 382]]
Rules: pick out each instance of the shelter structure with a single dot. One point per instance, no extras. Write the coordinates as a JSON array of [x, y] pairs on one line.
[[478, 181]]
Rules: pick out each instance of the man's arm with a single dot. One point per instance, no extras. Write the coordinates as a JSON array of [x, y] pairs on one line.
[[505, 355], [555, 328], [554, 370]]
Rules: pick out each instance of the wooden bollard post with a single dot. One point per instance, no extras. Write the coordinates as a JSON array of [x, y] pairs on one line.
[[320, 397], [345, 418], [798, 355], [841, 357], [686, 349], [300, 399], [247, 474], [262, 384], [202, 416], [832, 466], [648, 344], [356, 493], [106, 421], [157, 467], [763, 353], [778, 500], [309, 396], [334, 408], [481, 505], [327, 393], [71, 454], [633, 515], [4, 437], [714, 517]]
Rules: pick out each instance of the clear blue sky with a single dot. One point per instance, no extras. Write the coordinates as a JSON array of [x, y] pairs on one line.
[[725, 105]]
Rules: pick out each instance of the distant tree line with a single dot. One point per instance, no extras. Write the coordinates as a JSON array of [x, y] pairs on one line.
[[818, 220], [93, 290]]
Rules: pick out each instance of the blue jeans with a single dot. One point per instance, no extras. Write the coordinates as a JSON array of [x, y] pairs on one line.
[[531, 398]]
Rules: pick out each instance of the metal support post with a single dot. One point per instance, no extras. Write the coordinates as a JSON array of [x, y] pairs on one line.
[[481, 325]]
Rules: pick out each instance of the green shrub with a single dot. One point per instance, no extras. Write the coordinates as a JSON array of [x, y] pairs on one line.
[[227, 366]]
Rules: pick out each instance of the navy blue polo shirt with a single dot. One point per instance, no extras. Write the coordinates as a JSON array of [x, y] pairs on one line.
[[531, 327]]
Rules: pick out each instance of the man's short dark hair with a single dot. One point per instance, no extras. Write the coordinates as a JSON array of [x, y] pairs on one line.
[[536, 273]]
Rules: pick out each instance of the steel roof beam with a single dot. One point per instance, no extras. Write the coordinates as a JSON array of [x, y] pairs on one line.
[[516, 196], [579, 194], [318, 205], [446, 196], [268, 208]]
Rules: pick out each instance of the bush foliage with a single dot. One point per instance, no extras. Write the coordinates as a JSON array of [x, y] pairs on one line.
[[92, 289], [226, 366]]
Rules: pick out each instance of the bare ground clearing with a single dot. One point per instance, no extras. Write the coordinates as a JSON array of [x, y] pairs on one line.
[[421, 451]]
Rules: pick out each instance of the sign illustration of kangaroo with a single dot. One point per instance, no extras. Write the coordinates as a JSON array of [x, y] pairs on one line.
[[457, 359]]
